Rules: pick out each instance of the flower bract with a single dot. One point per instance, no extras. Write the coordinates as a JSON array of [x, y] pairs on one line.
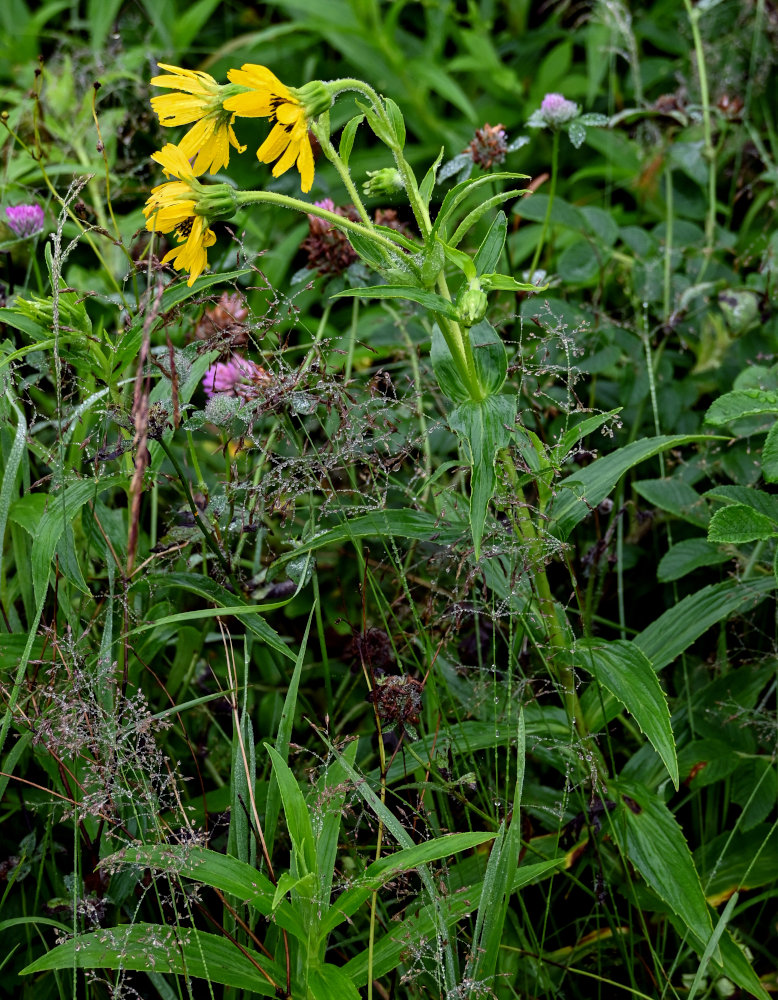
[[197, 98], [267, 97]]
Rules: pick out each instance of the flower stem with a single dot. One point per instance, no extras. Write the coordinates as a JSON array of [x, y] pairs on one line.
[[551, 193], [709, 150], [296, 204], [321, 131]]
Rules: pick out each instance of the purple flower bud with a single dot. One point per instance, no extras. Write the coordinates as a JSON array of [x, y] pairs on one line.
[[557, 110], [24, 220]]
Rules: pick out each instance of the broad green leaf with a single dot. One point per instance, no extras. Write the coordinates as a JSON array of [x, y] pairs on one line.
[[220, 871], [298, 820], [330, 982], [741, 403], [653, 842], [758, 500], [347, 137], [680, 625], [489, 354], [62, 508], [676, 497], [622, 669], [738, 524], [534, 206], [488, 254], [165, 948], [484, 428], [430, 300], [704, 762], [582, 491], [686, 556], [748, 860]]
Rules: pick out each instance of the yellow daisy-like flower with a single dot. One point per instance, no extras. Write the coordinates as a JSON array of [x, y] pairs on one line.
[[267, 97], [172, 207], [198, 99]]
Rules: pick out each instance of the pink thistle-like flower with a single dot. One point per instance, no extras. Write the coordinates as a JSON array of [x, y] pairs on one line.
[[557, 110], [236, 377], [24, 220]]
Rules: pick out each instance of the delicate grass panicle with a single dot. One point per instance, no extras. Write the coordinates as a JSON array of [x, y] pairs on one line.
[[387, 504]]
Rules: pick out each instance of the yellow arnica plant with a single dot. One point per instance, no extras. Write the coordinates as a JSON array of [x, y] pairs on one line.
[[173, 207], [197, 98], [265, 96]]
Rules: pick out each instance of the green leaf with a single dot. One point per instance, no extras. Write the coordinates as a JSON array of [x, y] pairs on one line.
[[573, 435], [653, 842], [738, 524], [459, 259], [758, 500], [165, 948], [675, 630], [686, 556], [491, 361], [330, 982], [533, 207], [63, 507], [298, 820], [220, 871], [397, 121], [741, 403], [427, 185], [579, 263], [626, 672], [367, 249], [463, 190], [770, 455], [347, 137], [430, 300], [676, 497], [228, 604], [488, 254], [11, 465], [582, 491], [484, 428], [505, 283]]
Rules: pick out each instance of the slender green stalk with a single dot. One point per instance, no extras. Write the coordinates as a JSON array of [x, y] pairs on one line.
[[709, 152], [549, 206], [321, 131]]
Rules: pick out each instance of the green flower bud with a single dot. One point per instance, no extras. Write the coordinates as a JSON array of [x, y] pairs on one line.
[[434, 258], [315, 98], [472, 303], [385, 181]]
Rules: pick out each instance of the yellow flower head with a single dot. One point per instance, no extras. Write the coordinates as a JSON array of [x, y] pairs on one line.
[[198, 99], [266, 97], [173, 207]]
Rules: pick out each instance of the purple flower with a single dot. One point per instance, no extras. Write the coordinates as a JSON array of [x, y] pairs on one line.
[[24, 220], [556, 109], [236, 377]]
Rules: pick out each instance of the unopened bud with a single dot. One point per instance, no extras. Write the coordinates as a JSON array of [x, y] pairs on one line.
[[385, 181], [315, 98], [472, 303]]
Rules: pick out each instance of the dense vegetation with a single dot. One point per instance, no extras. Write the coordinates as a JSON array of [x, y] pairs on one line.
[[388, 512]]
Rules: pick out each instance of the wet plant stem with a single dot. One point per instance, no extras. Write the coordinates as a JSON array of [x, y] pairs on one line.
[[196, 513], [551, 193], [556, 633], [709, 151]]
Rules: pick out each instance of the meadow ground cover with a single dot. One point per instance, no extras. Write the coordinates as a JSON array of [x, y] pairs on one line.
[[389, 448]]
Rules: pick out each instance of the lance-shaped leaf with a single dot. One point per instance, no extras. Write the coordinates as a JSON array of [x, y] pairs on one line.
[[430, 300], [484, 427]]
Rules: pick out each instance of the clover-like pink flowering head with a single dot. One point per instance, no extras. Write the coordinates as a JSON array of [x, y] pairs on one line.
[[557, 110], [236, 377], [24, 220]]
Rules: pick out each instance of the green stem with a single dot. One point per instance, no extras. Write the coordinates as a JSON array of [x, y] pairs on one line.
[[709, 152], [555, 630], [551, 193], [321, 131], [296, 204]]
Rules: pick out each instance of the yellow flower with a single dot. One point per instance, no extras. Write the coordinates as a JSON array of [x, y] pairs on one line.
[[267, 97], [198, 99], [172, 207]]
